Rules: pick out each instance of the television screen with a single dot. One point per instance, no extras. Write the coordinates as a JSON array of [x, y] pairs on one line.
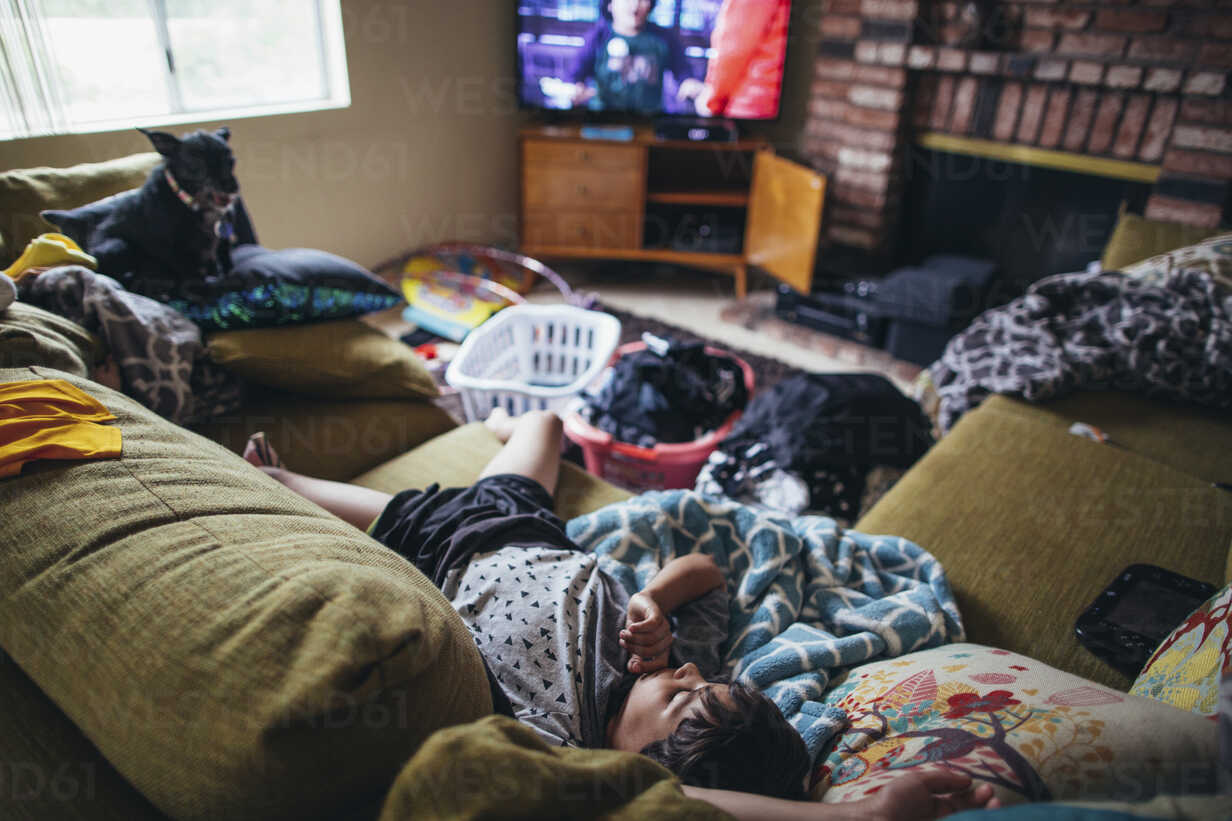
[[713, 58]]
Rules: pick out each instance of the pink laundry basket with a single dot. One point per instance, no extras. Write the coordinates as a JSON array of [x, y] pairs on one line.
[[659, 468]]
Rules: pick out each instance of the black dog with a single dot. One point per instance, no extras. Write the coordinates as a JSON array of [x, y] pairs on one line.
[[176, 231]]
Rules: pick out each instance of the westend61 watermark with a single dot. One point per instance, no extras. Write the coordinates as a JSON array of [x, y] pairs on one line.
[[27, 781], [331, 160], [395, 709]]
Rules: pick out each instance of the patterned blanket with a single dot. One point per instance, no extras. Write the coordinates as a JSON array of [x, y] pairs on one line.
[[162, 359], [1170, 338], [807, 598]]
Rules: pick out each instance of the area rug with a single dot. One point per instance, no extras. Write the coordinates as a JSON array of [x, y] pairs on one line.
[[756, 313]]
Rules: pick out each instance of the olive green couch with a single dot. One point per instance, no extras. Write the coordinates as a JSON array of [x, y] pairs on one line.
[[183, 637]]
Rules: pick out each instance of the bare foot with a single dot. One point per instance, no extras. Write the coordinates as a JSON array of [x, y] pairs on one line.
[[501, 423], [258, 452]]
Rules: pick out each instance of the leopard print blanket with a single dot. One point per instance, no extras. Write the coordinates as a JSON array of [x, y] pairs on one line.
[[1095, 331]]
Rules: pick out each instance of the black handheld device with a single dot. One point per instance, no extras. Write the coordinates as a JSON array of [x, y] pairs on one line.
[[1144, 603]]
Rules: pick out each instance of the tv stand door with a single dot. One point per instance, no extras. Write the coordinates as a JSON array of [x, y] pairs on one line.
[[784, 219]]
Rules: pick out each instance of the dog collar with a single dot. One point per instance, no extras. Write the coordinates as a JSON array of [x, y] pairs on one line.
[[185, 197]]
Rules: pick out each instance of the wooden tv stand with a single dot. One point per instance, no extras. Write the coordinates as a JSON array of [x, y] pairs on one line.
[[711, 205]]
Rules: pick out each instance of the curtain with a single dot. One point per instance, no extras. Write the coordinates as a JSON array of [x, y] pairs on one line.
[[28, 84]]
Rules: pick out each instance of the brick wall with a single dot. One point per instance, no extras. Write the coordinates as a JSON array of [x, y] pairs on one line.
[[1139, 80]]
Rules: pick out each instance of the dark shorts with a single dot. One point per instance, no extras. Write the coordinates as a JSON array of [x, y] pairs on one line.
[[439, 529]]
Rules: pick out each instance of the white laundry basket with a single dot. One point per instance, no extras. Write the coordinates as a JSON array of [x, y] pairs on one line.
[[531, 357]]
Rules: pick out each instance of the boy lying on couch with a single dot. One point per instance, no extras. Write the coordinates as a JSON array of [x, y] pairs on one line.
[[571, 655]]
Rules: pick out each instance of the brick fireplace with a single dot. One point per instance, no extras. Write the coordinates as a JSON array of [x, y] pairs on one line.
[[1137, 89]]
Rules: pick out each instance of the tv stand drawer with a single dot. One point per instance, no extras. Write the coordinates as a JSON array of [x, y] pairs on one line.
[[539, 154], [592, 229], [581, 188]]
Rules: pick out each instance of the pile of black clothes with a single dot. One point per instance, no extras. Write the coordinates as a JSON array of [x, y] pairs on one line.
[[671, 391], [810, 442]]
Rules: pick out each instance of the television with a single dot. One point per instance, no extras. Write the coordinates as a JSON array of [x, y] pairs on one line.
[[653, 58]]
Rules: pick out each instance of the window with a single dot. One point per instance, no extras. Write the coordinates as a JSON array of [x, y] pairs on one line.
[[93, 65]]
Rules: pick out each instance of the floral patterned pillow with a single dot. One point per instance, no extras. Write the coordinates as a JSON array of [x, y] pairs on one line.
[[1033, 732], [1186, 668]]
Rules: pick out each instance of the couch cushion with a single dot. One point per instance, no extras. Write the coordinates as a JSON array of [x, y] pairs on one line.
[[1032, 522], [1033, 732], [24, 192], [499, 768], [50, 769], [32, 336], [345, 358], [457, 458], [1136, 238], [1189, 438], [330, 439], [233, 650]]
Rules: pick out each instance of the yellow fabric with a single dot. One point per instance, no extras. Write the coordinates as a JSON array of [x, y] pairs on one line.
[[51, 419], [48, 250]]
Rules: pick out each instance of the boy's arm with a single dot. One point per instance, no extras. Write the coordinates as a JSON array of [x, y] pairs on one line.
[[913, 796], [684, 579], [648, 633]]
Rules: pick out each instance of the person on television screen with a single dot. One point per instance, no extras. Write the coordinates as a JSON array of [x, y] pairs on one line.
[[625, 58], [745, 72]]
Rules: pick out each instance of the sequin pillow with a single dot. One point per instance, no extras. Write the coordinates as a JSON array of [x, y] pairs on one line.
[[1033, 732], [1186, 668], [265, 288]]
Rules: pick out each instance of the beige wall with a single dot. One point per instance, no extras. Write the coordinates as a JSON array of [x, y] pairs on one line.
[[427, 149]]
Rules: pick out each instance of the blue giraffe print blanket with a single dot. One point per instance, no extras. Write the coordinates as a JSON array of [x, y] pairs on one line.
[[807, 598]]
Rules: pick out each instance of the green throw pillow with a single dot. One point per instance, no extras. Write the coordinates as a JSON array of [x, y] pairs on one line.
[[24, 192], [1136, 238], [32, 336], [344, 358], [230, 648]]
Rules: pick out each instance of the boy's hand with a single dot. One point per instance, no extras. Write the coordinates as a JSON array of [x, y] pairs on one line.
[[647, 635], [927, 794]]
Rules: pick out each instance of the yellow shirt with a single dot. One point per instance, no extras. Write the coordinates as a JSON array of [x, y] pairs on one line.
[[51, 419]]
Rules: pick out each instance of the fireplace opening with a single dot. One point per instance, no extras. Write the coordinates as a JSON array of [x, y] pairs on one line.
[[1031, 221]]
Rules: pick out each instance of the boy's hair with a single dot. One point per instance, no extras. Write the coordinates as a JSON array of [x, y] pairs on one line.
[[605, 8], [749, 747]]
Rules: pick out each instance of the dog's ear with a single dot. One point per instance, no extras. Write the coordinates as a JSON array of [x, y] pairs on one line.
[[166, 144], [223, 134]]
